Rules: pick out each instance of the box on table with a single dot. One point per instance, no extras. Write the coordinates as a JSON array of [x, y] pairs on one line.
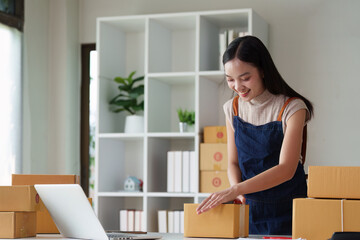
[[213, 156], [213, 181], [334, 182], [215, 134], [17, 224], [223, 221], [315, 219], [18, 199], [45, 224]]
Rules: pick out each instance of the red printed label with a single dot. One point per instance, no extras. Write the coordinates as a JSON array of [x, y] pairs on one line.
[[219, 135], [218, 156], [216, 182]]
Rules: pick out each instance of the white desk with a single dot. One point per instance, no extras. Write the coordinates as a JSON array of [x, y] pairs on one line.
[[166, 236]]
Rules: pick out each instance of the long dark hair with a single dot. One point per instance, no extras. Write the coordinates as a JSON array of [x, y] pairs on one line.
[[251, 50]]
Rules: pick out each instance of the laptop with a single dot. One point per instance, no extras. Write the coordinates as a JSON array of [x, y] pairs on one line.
[[74, 216]]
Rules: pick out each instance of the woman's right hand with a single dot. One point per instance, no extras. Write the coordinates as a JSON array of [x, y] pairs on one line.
[[241, 199]]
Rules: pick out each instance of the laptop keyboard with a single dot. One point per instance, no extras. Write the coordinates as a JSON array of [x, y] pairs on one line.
[[118, 236]]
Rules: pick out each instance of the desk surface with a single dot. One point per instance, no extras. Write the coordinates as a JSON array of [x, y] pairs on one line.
[[165, 236]]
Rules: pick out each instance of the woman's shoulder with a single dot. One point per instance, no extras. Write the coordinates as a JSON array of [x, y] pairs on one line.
[[295, 105]]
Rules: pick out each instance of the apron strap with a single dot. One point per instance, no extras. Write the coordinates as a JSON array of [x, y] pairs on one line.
[[304, 138], [283, 108], [235, 105]]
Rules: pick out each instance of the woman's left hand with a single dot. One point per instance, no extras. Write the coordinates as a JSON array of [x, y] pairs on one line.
[[217, 198]]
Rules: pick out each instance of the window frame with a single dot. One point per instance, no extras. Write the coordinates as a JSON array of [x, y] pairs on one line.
[[15, 20], [84, 117]]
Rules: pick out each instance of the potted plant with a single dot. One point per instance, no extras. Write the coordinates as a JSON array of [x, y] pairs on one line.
[[130, 99], [186, 119]]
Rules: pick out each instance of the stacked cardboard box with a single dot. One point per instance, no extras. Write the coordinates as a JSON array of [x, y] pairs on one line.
[[18, 205], [45, 224], [333, 204], [213, 160]]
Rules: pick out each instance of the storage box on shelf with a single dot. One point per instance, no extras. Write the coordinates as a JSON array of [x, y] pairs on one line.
[[178, 54]]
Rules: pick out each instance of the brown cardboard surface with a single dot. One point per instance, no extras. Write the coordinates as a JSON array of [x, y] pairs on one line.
[[213, 181], [17, 224], [315, 219], [334, 182], [215, 134], [45, 224], [32, 179], [213, 156], [224, 221], [18, 198]]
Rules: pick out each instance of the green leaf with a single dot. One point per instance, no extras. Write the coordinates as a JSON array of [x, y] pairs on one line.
[[120, 80], [136, 92]]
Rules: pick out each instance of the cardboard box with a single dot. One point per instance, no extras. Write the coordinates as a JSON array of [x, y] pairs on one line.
[[334, 182], [32, 179], [213, 156], [18, 199], [224, 221], [17, 224], [215, 134], [45, 224], [213, 181], [315, 219]]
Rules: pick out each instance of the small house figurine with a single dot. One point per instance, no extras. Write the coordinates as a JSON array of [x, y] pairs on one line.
[[133, 184]]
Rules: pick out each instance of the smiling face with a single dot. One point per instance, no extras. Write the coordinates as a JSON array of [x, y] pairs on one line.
[[244, 79]]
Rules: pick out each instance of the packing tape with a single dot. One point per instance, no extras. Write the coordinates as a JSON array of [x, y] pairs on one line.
[[342, 215]]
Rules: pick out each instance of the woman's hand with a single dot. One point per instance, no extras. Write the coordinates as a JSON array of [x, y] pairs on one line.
[[240, 199], [217, 198]]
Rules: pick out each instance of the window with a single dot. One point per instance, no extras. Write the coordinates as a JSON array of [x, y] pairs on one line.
[[10, 103]]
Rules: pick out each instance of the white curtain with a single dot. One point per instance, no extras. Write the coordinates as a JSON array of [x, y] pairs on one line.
[[10, 103]]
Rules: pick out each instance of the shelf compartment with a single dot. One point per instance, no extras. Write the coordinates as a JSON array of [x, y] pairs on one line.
[[165, 95], [121, 50], [216, 87], [157, 159], [172, 44], [120, 158], [163, 203], [110, 209], [211, 25]]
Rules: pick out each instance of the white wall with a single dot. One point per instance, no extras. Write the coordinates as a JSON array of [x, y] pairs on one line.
[[314, 43]]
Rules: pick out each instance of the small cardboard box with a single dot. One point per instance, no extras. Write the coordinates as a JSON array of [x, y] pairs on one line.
[[334, 182], [213, 181], [213, 156], [223, 221], [45, 224], [18, 199], [215, 134], [17, 224], [315, 219]]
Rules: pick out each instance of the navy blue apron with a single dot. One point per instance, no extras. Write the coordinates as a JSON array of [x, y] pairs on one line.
[[258, 149]]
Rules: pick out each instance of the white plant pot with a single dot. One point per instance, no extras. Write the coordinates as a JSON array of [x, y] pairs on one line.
[[134, 124], [183, 127]]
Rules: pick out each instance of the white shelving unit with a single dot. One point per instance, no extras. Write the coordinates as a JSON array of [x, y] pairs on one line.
[[179, 56]]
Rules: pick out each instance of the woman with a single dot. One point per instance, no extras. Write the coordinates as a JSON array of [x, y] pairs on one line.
[[265, 124]]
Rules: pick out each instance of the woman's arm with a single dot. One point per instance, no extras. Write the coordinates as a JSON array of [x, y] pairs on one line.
[[284, 171]]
